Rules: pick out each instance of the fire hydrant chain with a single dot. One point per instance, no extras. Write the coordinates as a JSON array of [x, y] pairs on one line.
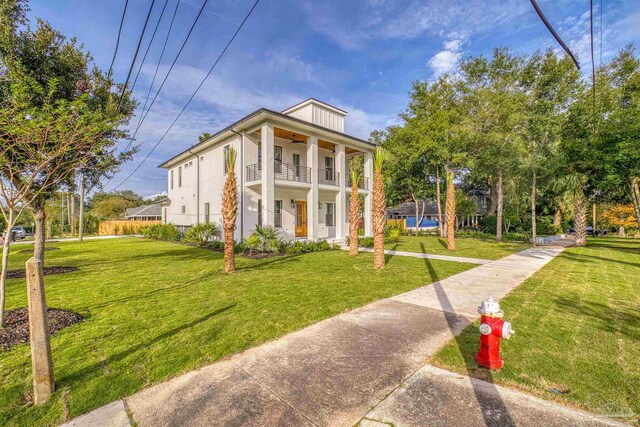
[[492, 328]]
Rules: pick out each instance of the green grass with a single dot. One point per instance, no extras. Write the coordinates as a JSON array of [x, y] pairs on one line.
[[156, 309], [577, 329], [466, 247]]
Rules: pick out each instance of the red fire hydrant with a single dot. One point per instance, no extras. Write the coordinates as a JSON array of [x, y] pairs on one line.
[[492, 328]]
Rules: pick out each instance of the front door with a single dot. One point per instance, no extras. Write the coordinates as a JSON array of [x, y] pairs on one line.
[[301, 219]]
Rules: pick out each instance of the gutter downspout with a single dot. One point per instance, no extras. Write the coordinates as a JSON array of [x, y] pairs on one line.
[[241, 135], [197, 186]]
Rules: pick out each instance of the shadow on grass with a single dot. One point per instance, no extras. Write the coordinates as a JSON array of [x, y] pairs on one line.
[[626, 318], [494, 410], [441, 241], [273, 261], [89, 371], [387, 256], [593, 258]]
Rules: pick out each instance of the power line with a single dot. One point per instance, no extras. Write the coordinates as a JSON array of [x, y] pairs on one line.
[[115, 52], [554, 33], [126, 83], [193, 95], [153, 35], [153, 80]]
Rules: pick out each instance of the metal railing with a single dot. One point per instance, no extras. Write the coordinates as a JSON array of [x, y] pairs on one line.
[[363, 182], [289, 172], [328, 177], [254, 172]]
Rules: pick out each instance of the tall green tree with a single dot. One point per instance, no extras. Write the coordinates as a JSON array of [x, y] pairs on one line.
[[496, 118]]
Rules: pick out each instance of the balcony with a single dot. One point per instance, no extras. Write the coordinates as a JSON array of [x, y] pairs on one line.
[[363, 182], [283, 171], [328, 177]]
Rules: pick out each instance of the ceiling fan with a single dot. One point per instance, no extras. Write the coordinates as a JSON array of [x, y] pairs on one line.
[[295, 141]]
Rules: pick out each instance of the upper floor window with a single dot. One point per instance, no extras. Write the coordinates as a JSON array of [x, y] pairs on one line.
[[207, 213], [277, 157], [179, 176], [259, 153], [226, 158], [171, 179], [328, 164]]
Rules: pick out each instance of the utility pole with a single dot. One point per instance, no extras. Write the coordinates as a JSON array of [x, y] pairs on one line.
[[81, 219]]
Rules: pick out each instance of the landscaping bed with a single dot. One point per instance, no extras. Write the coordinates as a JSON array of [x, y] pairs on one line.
[[17, 325], [21, 274]]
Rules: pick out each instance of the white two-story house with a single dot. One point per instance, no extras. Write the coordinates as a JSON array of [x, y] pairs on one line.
[[292, 171]]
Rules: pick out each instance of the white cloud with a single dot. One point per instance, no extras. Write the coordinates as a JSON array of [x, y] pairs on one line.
[[446, 60]]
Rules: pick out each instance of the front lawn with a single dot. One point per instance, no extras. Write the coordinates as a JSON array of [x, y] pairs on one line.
[[156, 309], [577, 331], [466, 247]]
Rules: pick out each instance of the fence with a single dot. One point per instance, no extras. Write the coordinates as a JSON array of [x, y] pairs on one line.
[[400, 223], [122, 226]]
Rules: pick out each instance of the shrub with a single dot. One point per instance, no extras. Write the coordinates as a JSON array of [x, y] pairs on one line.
[[215, 245], [202, 234], [269, 238], [303, 247], [252, 242], [238, 248], [167, 232], [116, 229]]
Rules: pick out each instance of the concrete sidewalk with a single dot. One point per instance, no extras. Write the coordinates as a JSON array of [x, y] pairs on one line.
[[334, 372]]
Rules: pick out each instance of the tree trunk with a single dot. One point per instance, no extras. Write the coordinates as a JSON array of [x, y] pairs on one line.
[[557, 221], [81, 214], [580, 220], [493, 200], [354, 218], [621, 232], [6, 246], [438, 202], [73, 214], [229, 215], [40, 218], [500, 196], [450, 209], [634, 184], [533, 209], [378, 220]]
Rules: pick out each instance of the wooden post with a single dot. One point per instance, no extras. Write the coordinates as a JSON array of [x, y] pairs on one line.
[[41, 363]]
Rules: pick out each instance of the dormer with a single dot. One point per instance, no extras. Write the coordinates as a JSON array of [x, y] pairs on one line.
[[319, 113]]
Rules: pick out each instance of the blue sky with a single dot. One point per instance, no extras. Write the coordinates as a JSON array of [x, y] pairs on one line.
[[360, 55]]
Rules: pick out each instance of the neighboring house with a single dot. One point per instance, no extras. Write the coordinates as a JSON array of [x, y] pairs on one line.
[[292, 172], [151, 212]]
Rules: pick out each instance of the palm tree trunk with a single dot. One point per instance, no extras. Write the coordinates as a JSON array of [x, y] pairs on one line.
[[438, 202], [354, 220], [378, 220], [580, 220], [229, 215], [557, 221], [450, 209], [500, 191], [634, 184], [533, 209]]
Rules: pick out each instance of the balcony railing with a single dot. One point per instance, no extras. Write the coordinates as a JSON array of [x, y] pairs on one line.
[[363, 182], [284, 171], [328, 177], [289, 172]]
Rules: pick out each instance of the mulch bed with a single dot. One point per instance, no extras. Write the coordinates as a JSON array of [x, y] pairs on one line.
[[17, 325], [46, 248], [20, 274]]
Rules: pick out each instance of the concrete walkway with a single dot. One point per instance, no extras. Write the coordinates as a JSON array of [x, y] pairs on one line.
[[334, 372]]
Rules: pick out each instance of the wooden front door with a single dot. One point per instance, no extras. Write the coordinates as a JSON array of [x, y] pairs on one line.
[[301, 219]]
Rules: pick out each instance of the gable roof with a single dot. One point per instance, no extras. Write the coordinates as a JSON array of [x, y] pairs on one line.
[[144, 210]]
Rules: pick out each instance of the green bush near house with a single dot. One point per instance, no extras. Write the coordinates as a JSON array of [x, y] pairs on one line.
[[166, 232], [202, 234], [305, 247]]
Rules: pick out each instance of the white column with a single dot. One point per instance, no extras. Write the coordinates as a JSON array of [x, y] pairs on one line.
[[268, 181], [341, 171], [312, 195], [368, 199]]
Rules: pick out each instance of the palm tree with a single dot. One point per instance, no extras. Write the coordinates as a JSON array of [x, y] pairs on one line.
[[573, 187], [229, 211], [354, 211], [450, 210], [378, 208]]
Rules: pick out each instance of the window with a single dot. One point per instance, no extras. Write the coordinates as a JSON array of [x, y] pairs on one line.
[[277, 221], [296, 165], [329, 215], [171, 178], [277, 157], [183, 209], [179, 176], [225, 159], [328, 164], [207, 213], [259, 153], [259, 211]]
